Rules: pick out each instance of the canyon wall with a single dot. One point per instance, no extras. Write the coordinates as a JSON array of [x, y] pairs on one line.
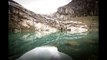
[[22, 20], [79, 8]]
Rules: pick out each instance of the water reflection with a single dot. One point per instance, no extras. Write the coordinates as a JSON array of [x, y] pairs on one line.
[[35, 35], [73, 44], [54, 36], [44, 53]]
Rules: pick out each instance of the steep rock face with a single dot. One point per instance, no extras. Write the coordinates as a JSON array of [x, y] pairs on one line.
[[79, 8], [85, 11], [21, 19]]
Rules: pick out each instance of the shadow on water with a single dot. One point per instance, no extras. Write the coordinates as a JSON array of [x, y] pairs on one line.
[[78, 46]]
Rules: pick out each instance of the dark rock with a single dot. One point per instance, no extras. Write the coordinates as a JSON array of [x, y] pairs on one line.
[[80, 8]]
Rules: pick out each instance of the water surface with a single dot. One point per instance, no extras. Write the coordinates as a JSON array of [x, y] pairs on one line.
[[80, 46]]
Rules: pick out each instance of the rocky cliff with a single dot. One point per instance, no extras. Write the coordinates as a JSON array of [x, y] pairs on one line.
[[79, 8], [22, 20], [83, 12]]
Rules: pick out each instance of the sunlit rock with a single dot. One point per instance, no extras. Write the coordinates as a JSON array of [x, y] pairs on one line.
[[76, 30], [44, 27], [45, 53], [74, 27]]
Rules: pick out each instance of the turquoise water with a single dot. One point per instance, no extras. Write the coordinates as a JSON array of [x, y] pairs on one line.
[[78, 46]]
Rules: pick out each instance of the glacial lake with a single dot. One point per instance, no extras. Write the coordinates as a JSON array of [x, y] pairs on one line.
[[80, 46]]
